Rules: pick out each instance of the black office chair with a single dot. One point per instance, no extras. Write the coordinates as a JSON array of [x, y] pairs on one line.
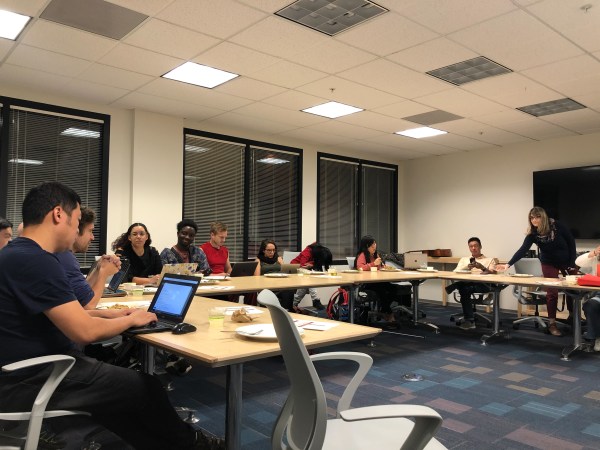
[[530, 297], [485, 299]]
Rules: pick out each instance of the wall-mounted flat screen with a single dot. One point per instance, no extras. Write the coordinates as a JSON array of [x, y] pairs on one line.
[[571, 196]]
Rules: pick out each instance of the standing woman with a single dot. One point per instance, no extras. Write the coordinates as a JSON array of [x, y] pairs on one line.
[[368, 258], [145, 262], [557, 254]]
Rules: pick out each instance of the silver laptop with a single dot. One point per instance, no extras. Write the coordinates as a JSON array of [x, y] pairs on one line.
[[290, 268], [415, 260]]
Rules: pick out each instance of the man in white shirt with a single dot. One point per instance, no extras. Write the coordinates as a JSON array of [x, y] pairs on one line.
[[476, 263]]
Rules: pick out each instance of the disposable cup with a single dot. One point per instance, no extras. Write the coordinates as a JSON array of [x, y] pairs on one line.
[[216, 316]]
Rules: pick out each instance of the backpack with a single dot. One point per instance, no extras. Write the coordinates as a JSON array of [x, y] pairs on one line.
[[337, 308]]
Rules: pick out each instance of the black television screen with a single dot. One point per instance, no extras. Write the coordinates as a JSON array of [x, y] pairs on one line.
[[571, 196]]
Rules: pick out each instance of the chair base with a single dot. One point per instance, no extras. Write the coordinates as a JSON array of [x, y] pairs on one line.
[[539, 322], [479, 318]]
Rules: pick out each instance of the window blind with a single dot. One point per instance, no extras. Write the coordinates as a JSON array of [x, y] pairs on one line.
[[378, 211]]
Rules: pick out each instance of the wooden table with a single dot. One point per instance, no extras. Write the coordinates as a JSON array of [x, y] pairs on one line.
[[222, 347]]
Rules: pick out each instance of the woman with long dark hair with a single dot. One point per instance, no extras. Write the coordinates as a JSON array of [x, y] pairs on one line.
[[134, 244], [557, 255], [268, 258]]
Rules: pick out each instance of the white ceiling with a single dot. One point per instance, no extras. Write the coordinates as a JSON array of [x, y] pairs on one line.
[[552, 46]]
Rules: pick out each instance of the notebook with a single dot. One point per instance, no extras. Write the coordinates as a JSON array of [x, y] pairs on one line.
[[170, 303], [290, 268], [243, 269], [415, 260], [112, 290]]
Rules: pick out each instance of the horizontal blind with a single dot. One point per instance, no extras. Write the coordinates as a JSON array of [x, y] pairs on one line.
[[273, 209], [48, 147], [214, 189], [337, 208], [377, 210]]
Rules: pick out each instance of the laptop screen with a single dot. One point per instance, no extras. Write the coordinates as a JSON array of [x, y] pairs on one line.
[[174, 296], [118, 277]]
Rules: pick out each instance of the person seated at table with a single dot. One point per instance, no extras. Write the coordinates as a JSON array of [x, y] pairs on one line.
[[314, 257], [41, 317], [368, 258], [184, 251], [5, 232], [269, 261], [145, 264], [476, 263], [216, 253], [591, 307], [87, 291]]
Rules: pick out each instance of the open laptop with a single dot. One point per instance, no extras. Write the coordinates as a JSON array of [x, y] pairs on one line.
[[243, 269], [290, 268], [170, 303], [112, 290], [415, 260]]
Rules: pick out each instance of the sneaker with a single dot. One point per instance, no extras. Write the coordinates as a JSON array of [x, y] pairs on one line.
[[317, 304], [553, 330], [205, 441], [179, 367], [597, 345], [467, 325]]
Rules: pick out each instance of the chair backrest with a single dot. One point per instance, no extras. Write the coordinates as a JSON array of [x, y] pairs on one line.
[[304, 415], [288, 256], [532, 266], [350, 260]]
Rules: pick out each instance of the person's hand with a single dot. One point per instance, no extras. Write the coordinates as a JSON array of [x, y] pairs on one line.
[[502, 267], [141, 317], [109, 264], [595, 253], [154, 279], [377, 262]]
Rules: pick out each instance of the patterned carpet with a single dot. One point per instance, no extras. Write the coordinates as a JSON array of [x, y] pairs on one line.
[[514, 393]]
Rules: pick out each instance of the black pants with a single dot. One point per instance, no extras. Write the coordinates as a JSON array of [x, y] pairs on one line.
[[132, 405], [466, 289], [387, 293]]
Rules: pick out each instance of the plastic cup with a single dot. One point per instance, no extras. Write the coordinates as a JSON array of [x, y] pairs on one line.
[[137, 290], [216, 316], [373, 269], [332, 271]]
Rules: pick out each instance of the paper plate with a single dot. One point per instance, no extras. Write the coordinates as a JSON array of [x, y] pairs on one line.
[[521, 275], [426, 270], [277, 275], [264, 332], [350, 271]]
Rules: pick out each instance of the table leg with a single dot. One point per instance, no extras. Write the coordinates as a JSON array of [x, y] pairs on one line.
[[148, 354], [352, 297], [496, 330], [416, 321], [233, 424], [578, 343]]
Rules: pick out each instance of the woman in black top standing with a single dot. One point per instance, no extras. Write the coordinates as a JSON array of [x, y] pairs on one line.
[[557, 255], [145, 264]]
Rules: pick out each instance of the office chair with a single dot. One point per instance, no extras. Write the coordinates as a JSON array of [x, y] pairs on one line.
[[303, 418], [535, 298], [485, 299], [61, 364], [288, 256], [350, 260]]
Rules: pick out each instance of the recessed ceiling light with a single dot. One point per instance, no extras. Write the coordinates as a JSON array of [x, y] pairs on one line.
[[332, 110], [78, 132], [271, 160], [421, 132], [33, 162], [199, 75], [11, 24]]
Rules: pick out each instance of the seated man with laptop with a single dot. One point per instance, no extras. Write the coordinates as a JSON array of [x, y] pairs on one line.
[[40, 316], [87, 291], [476, 263]]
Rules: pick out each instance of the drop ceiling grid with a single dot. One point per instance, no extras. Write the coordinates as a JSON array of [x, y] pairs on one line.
[[297, 119], [47, 61], [115, 77], [251, 89], [236, 58], [333, 57], [138, 60], [440, 52], [287, 74], [460, 102]]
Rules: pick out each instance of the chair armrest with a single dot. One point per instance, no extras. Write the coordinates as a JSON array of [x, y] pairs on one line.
[[427, 421], [31, 362], [364, 362]]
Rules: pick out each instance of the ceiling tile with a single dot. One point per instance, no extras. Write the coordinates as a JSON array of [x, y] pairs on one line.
[[295, 100], [349, 92], [375, 121], [333, 56], [581, 27], [389, 33], [28, 8], [277, 114], [461, 102], [148, 7], [30, 78], [374, 149], [92, 92], [525, 42], [395, 79], [344, 129], [280, 37], [5, 46], [313, 136], [512, 89], [457, 142], [139, 60], [505, 117], [232, 120], [288, 74], [251, 89], [425, 146], [432, 55], [235, 58], [169, 39], [483, 132], [222, 19], [538, 129], [112, 76], [580, 121], [270, 6], [43, 60], [403, 108], [67, 40], [176, 108]]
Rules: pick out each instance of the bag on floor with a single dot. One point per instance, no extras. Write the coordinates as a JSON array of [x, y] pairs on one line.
[[338, 306]]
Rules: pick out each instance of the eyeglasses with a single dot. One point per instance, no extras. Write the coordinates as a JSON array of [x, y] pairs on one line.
[[534, 217], [269, 250]]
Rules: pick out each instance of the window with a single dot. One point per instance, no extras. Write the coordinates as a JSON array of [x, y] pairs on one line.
[[252, 187], [355, 198], [41, 142]]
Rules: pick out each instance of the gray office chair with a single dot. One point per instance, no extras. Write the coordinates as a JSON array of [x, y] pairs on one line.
[[61, 364], [350, 260], [528, 297], [485, 299], [303, 419]]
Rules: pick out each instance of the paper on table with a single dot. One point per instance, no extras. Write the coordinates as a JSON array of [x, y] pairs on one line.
[[325, 276], [216, 288], [310, 325], [249, 309], [550, 283]]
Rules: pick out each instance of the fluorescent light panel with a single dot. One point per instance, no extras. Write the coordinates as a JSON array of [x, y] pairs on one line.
[[332, 110], [422, 132], [11, 24], [470, 70], [199, 75], [33, 162], [78, 132]]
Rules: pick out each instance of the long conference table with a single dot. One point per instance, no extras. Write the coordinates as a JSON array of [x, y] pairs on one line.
[[224, 348]]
